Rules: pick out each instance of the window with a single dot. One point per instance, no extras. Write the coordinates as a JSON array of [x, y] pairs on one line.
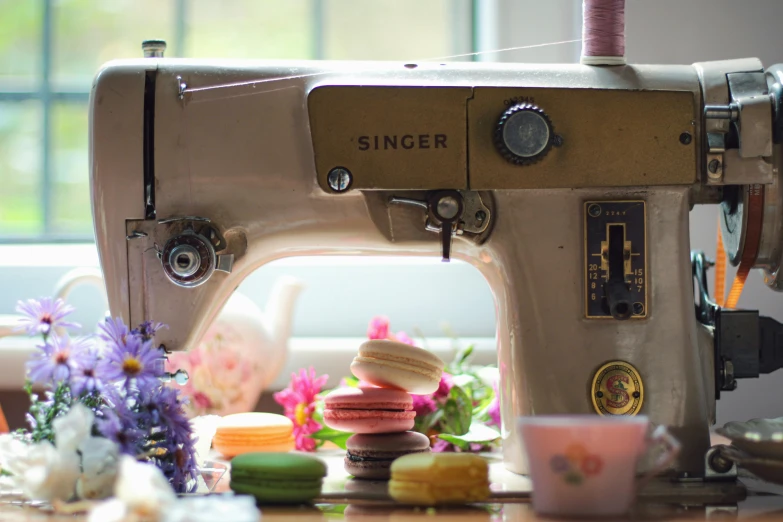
[[50, 51]]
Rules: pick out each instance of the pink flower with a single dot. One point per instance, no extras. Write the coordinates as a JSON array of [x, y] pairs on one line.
[[423, 404], [402, 337], [494, 407], [379, 328], [298, 402], [446, 382], [441, 446], [201, 401]]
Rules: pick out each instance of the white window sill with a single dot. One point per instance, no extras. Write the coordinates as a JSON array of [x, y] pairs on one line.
[[328, 355]]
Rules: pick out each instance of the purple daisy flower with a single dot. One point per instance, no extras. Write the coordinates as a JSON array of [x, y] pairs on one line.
[[56, 360], [164, 410], [86, 374], [148, 329], [136, 361], [114, 331], [121, 428], [41, 317], [120, 423]]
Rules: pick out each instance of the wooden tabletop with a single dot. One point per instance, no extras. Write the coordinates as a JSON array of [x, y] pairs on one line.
[[343, 500]]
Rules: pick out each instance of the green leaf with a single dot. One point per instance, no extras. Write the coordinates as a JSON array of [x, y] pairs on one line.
[[351, 382], [457, 412], [328, 434], [479, 433], [423, 423], [463, 355]]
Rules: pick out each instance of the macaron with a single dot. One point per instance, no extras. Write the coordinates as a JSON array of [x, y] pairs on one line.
[[369, 410], [390, 364], [252, 432], [439, 478], [371, 456], [278, 478]]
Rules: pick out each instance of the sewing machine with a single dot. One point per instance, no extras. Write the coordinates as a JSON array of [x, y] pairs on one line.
[[568, 186]]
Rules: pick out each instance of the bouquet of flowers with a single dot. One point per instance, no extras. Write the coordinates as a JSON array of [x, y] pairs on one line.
[[104, 397], [462, 415]]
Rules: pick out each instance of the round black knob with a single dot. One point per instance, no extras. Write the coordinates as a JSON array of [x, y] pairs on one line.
[[524, 134]]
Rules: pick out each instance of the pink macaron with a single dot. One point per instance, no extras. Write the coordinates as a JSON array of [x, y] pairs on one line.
[[369, 410]]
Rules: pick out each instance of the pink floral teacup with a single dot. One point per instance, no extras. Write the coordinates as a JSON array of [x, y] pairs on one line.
[[585, 465]]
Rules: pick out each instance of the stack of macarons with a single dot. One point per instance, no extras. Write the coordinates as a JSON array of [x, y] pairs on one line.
[[380, 412], [253, 432]]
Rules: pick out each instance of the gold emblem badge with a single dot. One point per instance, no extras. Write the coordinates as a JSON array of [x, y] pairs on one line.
[[617, 389]]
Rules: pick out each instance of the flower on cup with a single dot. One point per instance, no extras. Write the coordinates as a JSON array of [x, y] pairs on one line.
[[559, 464], [592, 465], [576, 464]]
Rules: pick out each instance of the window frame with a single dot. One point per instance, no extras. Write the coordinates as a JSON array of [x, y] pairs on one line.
[[48, 93]]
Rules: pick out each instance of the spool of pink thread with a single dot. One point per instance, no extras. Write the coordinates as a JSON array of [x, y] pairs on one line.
[[603, 32]]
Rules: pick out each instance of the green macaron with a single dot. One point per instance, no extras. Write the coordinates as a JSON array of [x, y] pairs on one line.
[[277, 478]]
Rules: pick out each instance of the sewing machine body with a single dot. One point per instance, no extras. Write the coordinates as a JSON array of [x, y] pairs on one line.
[[251, 146]]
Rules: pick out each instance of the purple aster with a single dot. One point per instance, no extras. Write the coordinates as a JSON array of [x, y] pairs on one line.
[[56, 359], [113, 331], [148, 329], [86, 375], [41, 317], [136, 360], [120, 423], [163, 410], [121, 428]]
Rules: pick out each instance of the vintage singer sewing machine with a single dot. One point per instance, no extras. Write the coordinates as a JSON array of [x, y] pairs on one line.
[[567, 186]]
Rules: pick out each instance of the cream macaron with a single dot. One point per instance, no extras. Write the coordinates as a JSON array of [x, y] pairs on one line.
[[391, 364]]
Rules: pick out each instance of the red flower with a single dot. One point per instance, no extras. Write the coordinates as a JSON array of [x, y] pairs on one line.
[[592, 465]]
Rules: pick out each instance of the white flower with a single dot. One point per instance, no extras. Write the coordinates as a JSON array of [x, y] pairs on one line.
[[72, 428], [10, 450], [46, 473], [143, 487], [113, 510], [99, 464]]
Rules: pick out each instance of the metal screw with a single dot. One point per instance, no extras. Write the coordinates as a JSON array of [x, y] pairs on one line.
[[594, 210], [714, 166], [636, 395], [153, 48], [339, 179], [686, 138], [638, 308], [599, 394], [481, 216], [447, 207], [557, 140], [180, 377]]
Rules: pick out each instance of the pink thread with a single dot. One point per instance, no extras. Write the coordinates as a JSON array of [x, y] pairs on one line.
[[603, 32]]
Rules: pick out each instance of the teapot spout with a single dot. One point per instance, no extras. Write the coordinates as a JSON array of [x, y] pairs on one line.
[[280, 308]]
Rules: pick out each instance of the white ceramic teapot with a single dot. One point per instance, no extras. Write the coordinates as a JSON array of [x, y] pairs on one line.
[[241, 354]]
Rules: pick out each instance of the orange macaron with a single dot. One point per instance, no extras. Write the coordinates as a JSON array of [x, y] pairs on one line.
[[252, 432]]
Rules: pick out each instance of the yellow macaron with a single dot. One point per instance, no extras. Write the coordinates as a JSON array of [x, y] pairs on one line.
[[439, 478], [252, 432]]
